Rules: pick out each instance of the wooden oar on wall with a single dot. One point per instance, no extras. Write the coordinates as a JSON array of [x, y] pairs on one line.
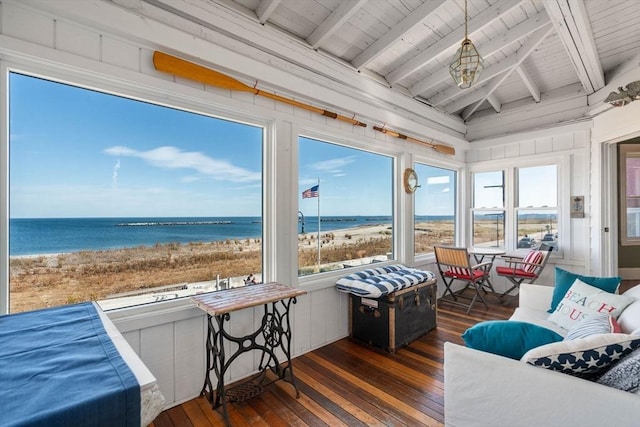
[[189, 70], [444, 149]]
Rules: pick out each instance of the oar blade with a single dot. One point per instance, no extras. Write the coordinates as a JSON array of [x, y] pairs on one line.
[[188, 70], [444, 149]]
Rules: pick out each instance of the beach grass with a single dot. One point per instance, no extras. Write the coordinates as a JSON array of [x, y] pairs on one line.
[[40, 281]]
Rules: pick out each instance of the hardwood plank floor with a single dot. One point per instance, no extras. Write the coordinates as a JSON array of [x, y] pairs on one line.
[[350, 384]]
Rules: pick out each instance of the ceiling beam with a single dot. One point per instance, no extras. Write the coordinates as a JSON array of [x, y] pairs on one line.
[[522, 54], [334, 21], [450, 42], [398, 31], [528, 82], [445, 98], [512, 35], [265, 9], [569, 17], [475, 96], [495, 102]]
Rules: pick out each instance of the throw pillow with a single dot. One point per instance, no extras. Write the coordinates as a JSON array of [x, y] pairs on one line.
[[584, 357], [629, 320], [582, 299], [564, 279], [508, 338], [624, 375], [533, 257], [598, 323]]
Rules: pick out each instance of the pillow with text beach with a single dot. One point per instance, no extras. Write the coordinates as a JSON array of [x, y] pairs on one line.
[[582, 300], [564, 279]]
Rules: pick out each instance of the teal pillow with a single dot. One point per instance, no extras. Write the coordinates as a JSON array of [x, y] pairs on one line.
[[564, 280], [508, 338]]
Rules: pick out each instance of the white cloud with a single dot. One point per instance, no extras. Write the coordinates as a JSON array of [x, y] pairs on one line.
[[173, 158], [332, 165]]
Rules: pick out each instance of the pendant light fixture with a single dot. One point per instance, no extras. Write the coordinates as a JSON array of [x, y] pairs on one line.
[[467, 64]]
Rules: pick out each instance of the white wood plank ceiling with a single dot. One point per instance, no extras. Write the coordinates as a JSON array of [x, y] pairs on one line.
[[532, 48]]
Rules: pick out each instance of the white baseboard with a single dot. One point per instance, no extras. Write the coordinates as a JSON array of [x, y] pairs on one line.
[[629, 273]]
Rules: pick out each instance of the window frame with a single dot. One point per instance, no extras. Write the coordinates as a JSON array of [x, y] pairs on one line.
[[519, 209], [456, 170], [623, 154], [489, 210], [461, 202], [179, 99], [510, 195], [312, 281]]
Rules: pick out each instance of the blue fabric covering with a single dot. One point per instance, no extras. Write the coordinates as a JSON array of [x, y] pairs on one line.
[[564, 279], [58, 367], [381, 281], [508, 338]]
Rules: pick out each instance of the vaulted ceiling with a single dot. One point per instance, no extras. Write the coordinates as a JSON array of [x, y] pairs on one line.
[[532, 48]]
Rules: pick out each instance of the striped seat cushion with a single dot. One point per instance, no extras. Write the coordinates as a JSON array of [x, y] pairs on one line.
[[381, 281], [463, 273]]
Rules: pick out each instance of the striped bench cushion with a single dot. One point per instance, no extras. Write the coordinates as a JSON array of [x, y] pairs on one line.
[[381, 281]]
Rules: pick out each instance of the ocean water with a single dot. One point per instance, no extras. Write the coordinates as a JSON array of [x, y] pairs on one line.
[[56, 235]]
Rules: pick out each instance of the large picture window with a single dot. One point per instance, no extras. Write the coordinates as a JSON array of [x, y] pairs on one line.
[[435, 207], [126, 202], [345, 216]]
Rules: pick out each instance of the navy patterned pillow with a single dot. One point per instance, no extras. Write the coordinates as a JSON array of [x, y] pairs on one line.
[[583, 357], [624, 375]]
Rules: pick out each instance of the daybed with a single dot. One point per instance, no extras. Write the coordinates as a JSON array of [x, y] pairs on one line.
[[69, 366], [485, 389]]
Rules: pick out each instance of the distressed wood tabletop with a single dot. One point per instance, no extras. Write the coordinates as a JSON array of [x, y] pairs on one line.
[[228, 300]]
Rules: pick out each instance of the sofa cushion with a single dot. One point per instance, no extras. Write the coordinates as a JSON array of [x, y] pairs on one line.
[[582, 299], [583, 357], [598, 323], [624, 375], [629, 320], [508, 338], [564, 279]]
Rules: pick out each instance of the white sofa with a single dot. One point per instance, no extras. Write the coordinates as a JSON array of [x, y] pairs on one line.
[[484, 389]]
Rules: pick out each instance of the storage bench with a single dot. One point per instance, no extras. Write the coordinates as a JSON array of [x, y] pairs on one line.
[[393, 318]]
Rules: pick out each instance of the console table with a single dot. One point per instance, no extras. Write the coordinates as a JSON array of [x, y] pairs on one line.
[[273, 333]]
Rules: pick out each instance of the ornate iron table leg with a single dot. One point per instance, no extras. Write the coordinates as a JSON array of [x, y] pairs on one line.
[[216, 363], [277, 334], [275, 331]]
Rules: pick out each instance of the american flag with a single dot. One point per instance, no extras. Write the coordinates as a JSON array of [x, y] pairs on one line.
[[311, 192]]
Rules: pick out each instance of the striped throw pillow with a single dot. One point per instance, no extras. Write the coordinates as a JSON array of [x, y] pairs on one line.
[[597, 323], [534, 257]]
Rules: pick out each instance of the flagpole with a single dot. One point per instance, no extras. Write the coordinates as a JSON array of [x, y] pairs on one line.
[[318, 225]]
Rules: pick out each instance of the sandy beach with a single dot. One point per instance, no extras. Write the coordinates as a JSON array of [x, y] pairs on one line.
[[172, 270], [38, 281]]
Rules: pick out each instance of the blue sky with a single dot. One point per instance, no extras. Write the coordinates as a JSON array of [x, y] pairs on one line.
[[80, 153]]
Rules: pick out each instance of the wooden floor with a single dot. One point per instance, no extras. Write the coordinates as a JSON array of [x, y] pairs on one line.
[[349, 384]]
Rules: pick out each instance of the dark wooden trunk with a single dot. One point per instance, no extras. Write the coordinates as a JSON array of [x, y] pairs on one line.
[[393, 321]]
